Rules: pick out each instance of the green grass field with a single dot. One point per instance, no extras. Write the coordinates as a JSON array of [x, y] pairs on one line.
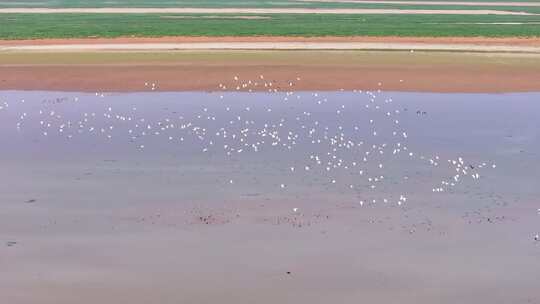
[[246, 3], [29, 26], [196, 3], [21, 26]]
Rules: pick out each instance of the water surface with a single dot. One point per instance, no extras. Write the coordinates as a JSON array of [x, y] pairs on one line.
[[359, 193]]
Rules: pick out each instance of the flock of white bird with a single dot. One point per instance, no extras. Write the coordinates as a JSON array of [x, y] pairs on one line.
[[329, 139]]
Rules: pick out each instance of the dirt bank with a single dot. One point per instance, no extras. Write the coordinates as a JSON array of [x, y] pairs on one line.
[[318, 70]]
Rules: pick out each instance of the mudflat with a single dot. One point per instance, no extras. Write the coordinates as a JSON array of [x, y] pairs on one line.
[[206, 70]]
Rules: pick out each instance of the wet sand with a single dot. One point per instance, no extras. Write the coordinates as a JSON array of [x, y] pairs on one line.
[[205, 70]]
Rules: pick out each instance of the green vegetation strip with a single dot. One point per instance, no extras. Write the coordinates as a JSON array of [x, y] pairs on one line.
[[257, 4], [29, 26], [197, 3], [235, 57]]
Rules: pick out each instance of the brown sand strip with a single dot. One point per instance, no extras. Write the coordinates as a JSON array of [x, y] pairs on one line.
[[513, 41], [328, 70], [145, 47]]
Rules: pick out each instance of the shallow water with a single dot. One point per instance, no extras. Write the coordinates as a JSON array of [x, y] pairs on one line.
[[323, 168]]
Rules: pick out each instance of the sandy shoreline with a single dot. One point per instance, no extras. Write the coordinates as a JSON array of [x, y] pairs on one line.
[[488, 41], [453, 64], [462, 47], [450, 44], [205, 70]]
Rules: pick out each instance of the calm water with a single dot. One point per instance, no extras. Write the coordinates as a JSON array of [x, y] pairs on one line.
[[307, 142], [435, 165]]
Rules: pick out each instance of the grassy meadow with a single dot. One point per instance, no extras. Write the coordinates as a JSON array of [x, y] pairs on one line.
[[35, 26], [30, 26], [207, 3]]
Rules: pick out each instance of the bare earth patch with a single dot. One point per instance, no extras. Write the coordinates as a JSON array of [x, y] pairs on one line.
[[206, 70], [121, 64], [272, 46], [454, 44], [515, 41]]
